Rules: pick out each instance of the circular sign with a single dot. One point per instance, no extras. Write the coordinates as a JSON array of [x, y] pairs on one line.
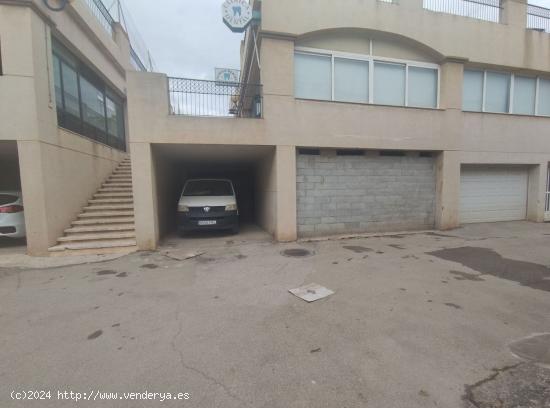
[[237, 14], [227, 75]]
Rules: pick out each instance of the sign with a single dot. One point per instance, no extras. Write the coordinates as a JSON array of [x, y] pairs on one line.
[[225, 75], [237, 14]]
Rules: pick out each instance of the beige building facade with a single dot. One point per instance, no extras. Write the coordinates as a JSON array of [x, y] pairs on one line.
[[54, 143], [349, 117], [376, 116]]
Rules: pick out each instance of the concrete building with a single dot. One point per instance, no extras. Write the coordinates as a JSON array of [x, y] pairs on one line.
[[375, 116], [62, 113], [351, 116]]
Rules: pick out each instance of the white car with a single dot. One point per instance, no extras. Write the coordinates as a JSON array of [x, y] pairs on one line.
[[208, 204], [12, 217]]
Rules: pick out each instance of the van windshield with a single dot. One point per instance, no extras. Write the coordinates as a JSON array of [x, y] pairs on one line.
[[208, 188]]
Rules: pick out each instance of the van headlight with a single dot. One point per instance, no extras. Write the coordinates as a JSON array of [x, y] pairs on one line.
[[231, 207], [183, 208]]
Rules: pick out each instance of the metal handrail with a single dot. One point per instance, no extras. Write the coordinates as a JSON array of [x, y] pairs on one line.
[[196, 97], [487, 10], [538, 18]]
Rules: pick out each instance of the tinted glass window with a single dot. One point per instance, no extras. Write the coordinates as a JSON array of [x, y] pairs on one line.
[[208, 188], [7, 199], [389, 84], [313, 76]]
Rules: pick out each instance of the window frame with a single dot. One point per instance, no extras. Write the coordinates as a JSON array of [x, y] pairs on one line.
[[511, 92], [371, 59], [66, 57]]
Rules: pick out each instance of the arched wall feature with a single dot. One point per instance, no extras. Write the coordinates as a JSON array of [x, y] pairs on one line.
[[368, 42]]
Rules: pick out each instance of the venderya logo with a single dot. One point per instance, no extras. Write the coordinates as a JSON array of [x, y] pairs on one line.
[[237, 14]]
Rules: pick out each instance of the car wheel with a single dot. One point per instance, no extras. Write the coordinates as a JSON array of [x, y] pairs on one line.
[[235, 230]]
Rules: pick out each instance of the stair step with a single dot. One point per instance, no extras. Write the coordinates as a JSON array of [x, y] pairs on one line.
[[100, 228], [106, 214], [101, 196], [121, 243], [120, 178], [103, 221], [97, 236], [115, 190], [117, 184], [128, 200], [113, 207]]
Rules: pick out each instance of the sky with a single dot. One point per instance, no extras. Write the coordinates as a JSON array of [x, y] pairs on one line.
[[187, 38]]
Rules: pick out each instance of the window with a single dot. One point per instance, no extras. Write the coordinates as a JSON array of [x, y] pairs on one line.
[[85, 104], [351, 80], [525, 94], [350, 152], [497, 92], [345, 77], [473, 91], [422, 87], [309, 152], [389, 84], [544, 97], [312, 76]]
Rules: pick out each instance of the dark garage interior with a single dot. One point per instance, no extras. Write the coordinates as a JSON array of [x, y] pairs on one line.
[[245, 166]]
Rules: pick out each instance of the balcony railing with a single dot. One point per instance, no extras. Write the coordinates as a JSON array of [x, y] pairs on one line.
[[193, 97], [488, 10], [538, 18], [107, 20], [102, 14]]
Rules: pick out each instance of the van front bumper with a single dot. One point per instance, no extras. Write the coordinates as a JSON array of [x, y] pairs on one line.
[[215, 221]]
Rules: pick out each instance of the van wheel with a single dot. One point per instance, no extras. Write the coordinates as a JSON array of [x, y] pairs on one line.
[[181, 233], [235, 230]]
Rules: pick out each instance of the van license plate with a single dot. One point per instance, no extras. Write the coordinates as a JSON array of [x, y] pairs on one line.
[[207, 222]]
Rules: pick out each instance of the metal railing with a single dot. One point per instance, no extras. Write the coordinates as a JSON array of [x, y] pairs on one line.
[[487, 10], [107, 20], [194, 97], [538, 18], [102, 14]]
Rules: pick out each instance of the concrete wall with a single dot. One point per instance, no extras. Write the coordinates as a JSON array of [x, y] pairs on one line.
[[345, 194], [58, 180], [60, 170]]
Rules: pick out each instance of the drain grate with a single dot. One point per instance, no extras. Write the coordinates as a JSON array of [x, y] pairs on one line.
[[296, 253]]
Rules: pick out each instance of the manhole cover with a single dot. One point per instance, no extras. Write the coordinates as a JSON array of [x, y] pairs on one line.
[[296, 253], [535, 348]]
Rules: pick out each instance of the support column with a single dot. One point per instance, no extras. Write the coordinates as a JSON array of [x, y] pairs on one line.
[[285, 168], [39, 238], [514, 12], [447, 214], [145, 196], [537, 192]]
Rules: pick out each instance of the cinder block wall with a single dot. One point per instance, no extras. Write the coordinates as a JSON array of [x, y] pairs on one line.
[[342, 194]]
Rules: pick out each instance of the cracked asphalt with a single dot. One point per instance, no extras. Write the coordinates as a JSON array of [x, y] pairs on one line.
[[453, 319]]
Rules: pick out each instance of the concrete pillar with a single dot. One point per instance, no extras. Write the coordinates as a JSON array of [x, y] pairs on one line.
[[452, 77], [285, 168], [122, 40], [514, 12], [34, 197], [537, 192], [448, 190], [145, 196]]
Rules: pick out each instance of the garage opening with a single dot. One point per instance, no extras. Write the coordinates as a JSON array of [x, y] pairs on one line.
[[492, 193], [249, 168], [12, 216], [352, 191]]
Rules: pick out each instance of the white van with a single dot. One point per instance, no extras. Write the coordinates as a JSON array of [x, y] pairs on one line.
[[208, 204]]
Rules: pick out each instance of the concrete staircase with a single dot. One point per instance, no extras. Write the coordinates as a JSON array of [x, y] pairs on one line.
[[106, 224]]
